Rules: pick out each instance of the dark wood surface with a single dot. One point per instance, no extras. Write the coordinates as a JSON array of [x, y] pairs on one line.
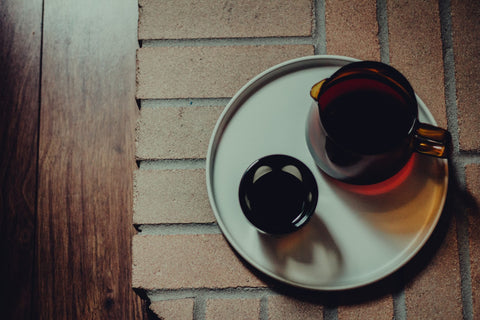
[[67, 90], [20, 42]]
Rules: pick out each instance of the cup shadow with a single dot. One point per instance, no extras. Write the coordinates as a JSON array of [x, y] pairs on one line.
[[309, 253], [459, 202], [394, 284]]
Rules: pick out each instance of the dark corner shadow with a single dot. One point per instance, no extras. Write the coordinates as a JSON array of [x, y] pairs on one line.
[[148, 314], [462, 198]]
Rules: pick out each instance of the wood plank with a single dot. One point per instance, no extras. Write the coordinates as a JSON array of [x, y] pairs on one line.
[[86, 161], [20, 42]]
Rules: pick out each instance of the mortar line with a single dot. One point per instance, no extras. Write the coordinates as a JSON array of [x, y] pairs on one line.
[[382, 21], [184, 102], [458, 165], [210, 293], [240, 41], [172, 164], [178, 229], [449, 72], [399, 306], [200, 308], [469, 158], [330, 313], [458, 161], [264, 308], [319, 30]]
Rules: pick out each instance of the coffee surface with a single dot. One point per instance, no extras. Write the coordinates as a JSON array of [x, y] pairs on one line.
[[277, 197], [367, 121]]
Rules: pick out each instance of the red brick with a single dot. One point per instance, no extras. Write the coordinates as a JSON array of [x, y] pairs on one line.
[[185, 19], [285, 308], [375, 309], [175, 132], [173, 309], [416, 50], [435, 292], [472, 174], [171, 196], [351, 28], [188, 261], [466, 48], [222, 309], [206, 72]]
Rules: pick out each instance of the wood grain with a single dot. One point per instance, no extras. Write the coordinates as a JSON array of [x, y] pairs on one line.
[[20, 43], [86, 158]]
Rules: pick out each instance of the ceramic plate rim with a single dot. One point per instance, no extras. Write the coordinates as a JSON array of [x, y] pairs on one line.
[[235, 103]]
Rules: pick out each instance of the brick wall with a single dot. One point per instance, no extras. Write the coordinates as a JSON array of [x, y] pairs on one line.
[[194, 56]]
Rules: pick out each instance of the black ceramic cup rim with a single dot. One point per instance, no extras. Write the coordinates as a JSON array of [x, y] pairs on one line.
[[279, 162]]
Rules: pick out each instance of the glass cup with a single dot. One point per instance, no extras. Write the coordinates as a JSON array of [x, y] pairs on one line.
[[364, 126], [278, 194]]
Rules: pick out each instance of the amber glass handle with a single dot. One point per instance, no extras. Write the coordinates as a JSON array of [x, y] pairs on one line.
[[314, 92], [431, 140]]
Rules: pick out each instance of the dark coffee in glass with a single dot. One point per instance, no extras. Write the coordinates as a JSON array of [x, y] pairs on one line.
[[368, 124]]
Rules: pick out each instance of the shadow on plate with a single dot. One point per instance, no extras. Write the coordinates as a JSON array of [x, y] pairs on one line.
[[458, 203], [309, 253]]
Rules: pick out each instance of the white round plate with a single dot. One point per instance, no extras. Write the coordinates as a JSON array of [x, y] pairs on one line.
[[352, 239]]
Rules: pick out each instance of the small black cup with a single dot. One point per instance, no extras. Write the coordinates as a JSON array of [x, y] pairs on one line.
[[278, 194]]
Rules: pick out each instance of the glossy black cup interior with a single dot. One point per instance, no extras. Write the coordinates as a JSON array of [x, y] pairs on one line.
[[278, 194]]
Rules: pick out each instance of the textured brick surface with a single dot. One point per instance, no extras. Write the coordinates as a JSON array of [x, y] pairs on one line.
[[223, 309], [171, 196], [416, 50], [472, 174], [285, 308], [466, 48], [188, 261], [375, 309], [175, 132], [351, 29], [183, 264], [186, 19], [181, 309], [201, 72], [435, 292]]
